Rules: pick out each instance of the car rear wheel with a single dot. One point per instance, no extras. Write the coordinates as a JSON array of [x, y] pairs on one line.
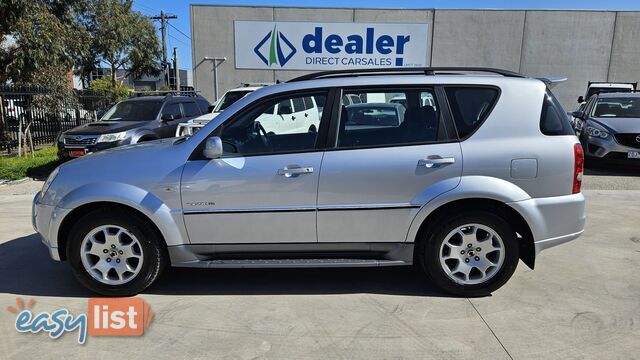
[[471, 254], [115, 254]]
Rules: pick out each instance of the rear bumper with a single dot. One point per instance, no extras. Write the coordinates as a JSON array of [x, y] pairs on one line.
[[553, 220]]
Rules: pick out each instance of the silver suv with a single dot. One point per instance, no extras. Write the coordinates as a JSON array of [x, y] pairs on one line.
[[464, 188]]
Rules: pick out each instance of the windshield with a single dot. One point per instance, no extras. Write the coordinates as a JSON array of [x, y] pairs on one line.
[[623, 107], [228, 99], [133, 111]]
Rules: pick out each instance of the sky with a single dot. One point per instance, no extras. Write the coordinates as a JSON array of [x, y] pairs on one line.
[[178, 31]]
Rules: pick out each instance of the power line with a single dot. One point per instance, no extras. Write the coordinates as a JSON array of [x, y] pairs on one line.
[[143, 11], [180, 31], [146, 7], [178, 40]]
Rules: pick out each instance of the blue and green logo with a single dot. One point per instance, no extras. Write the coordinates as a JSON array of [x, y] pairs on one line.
[[274, 53]]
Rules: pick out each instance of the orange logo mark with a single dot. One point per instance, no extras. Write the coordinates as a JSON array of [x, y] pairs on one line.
[[118, 316], [20, 305]]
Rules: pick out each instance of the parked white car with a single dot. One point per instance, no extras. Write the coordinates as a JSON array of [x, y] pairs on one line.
[[291, 116], [230, 97]]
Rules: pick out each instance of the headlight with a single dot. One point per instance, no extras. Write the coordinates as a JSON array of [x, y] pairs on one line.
[[595, 132], [112, 137], [50, 179]]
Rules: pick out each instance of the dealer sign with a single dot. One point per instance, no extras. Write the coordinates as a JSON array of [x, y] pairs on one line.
[[328, 46]]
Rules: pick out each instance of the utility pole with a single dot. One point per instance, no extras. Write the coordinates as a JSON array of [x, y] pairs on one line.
[[163, 29], [176, 69]]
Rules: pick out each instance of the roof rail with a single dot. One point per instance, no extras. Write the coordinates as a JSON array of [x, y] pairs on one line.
[[165, 93], [248, 84], [403, 71]]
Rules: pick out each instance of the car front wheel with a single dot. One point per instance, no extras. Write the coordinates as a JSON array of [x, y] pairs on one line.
[[115, 253], [470, 254]]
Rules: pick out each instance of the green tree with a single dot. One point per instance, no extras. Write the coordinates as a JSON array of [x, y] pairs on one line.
[[124, 39], [36, 49], [104, 88]]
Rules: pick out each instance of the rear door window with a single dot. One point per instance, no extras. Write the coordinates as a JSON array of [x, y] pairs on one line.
[[203, 105], [308, 103], [190, 109], [172, 109], [470, 106], [298, 104], [378, 121]]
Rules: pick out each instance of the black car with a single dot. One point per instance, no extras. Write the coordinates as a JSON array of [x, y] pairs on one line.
[[132, 121]]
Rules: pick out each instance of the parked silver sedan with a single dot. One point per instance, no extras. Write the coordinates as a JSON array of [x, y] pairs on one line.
[[463, 187]]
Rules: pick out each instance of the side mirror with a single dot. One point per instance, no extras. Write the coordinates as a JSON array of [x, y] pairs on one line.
[[212, 148], [580, 99], [578, 114], [168, 117], [210, 108]]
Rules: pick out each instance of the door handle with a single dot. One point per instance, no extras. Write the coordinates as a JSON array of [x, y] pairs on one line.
[[293, 118], [294, 171], [433, 161]]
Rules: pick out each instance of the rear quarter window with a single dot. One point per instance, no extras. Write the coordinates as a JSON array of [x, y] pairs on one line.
[[470, 106], [203, 105], [553, 119]]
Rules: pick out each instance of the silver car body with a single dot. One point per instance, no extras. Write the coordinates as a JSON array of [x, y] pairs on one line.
[[202, 207]]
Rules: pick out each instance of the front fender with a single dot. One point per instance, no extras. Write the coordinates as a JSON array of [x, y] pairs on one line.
[[469, 187], [169, 222], [143, 133]]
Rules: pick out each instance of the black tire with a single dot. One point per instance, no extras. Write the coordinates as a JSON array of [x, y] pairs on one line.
[[312, 129], [429, 252], [154, 258]]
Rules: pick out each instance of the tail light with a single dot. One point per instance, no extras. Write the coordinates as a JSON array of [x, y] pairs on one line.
[[578, 166]]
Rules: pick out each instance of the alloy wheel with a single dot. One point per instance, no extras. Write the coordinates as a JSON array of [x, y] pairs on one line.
[[472, 254], [111, 254]]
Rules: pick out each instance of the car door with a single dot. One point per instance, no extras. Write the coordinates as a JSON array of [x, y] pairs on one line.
[[167, 127], [375, 179], [264, 187]]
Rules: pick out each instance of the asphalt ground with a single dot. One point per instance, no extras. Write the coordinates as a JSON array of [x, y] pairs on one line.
[[581, 302]]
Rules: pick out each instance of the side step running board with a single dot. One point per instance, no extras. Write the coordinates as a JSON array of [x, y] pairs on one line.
[[291, 263]]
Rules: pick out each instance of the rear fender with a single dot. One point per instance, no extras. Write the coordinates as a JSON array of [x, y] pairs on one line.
[[470, 187]]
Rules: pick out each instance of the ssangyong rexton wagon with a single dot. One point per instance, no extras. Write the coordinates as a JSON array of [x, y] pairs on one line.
[[488, 175]]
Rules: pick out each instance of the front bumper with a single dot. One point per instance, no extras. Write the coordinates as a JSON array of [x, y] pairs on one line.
[[42, 217], [553, 220], [608, 148], [63, 149], [188, 129]]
